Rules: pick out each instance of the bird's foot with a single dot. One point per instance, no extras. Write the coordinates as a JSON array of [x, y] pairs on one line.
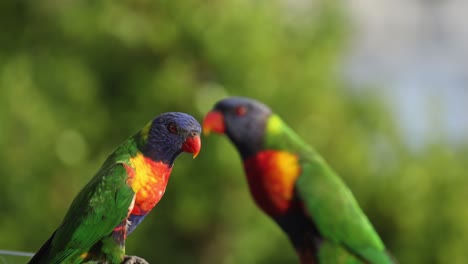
[[134, 260]]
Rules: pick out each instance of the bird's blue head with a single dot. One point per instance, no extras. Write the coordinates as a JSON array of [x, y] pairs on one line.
[[170, 134]]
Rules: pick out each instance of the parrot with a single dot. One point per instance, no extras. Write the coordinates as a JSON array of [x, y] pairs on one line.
[[293, 184], [131, 181]]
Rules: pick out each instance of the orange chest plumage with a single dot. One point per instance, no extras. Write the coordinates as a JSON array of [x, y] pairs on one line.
[[272, 176], [148, 179]]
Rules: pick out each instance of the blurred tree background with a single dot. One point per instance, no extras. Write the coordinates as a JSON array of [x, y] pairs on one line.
[[79, 77]]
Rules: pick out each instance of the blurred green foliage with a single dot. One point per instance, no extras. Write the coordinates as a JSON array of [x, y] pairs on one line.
[[79, 77]]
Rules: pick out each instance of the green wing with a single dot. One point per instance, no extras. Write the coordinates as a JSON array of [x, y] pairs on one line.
[[96, 211], [336, 212]]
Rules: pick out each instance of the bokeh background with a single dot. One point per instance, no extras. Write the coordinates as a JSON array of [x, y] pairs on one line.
[[379, 88]]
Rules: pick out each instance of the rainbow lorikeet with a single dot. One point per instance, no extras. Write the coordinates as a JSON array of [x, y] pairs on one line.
[[294, 185], [128, 185]]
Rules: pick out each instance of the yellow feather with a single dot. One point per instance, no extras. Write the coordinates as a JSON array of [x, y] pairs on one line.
[[274, 124], [143, 173]]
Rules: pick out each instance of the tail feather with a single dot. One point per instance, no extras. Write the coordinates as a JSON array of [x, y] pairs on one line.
[[42, 255]]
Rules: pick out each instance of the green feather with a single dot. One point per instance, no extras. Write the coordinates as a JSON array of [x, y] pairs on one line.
[[329, 202], [99, 207], [109, 199]]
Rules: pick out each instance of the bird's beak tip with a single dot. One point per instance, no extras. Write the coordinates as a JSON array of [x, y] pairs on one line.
[[192, 145]]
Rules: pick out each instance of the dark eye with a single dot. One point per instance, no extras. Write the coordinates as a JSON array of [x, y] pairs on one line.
[[172, 128], [240, 110]]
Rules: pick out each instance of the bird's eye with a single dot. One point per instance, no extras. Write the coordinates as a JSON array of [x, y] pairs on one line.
[[240, 110], [172, 128]]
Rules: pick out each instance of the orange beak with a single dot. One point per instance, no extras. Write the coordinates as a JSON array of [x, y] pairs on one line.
[[214, 121], [192, 145]]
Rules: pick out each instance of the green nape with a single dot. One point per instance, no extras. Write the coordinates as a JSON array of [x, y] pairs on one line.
[[279, 136], [145, 131]]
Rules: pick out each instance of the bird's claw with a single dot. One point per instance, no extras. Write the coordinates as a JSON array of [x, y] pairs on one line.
[[134, 260]]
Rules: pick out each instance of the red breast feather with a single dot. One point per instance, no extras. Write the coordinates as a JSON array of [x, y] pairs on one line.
[[271, 176], [148, 180]]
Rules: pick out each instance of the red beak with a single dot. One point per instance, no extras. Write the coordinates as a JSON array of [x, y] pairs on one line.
[[214, 121], [192, 145]]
